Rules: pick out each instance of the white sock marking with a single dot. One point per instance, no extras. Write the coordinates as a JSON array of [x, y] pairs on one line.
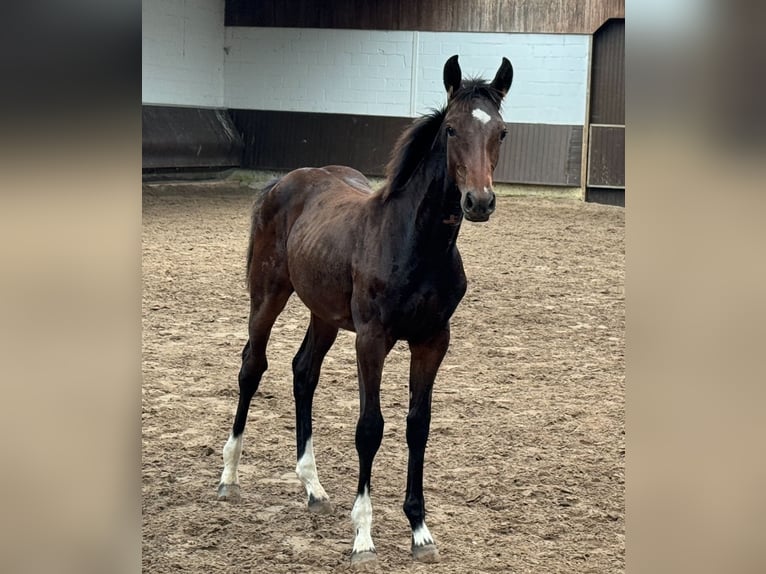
[[306, 470], [361, 515], [422, 536], [481, 115], [232, 450]]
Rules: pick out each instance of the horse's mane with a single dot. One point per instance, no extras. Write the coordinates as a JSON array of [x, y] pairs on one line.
[[413, 144], [416, 141]]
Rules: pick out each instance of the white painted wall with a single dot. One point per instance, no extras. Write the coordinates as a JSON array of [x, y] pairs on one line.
[[550, 72], [182, 52], [314, 70], [189, 58], [400, 73]]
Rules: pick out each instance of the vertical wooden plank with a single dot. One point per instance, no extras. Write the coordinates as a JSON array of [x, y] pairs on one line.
[[606, 165], [608, 74], [606, 146]]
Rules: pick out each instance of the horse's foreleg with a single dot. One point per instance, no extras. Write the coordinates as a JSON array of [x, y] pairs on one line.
[[426, 358], [263, 313], [306, 367], [371, 350]]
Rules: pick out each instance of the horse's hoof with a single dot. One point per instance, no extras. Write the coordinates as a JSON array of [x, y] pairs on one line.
[[362, 559], [229, 492], [427, 553], [318, 506]]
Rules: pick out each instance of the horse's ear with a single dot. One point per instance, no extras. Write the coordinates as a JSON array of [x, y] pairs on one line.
[[452, 76], [504, 77]]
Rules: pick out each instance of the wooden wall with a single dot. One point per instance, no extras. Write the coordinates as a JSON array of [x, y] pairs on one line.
[[534, 16], [541, 154], [532, 153], [607, 105], [188, 138], [279, 140], [606, 143]]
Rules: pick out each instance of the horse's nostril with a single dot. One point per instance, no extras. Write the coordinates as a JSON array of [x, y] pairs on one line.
[[469, 201], [491, 205]]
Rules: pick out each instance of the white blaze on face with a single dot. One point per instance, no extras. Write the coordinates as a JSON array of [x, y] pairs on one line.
[[481, 115], [361, 515]]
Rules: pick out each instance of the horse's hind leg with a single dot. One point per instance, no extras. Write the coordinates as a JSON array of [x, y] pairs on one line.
[[306, 366], [264, 310]]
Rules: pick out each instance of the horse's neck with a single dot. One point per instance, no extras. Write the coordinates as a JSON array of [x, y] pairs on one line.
[[430, 207]]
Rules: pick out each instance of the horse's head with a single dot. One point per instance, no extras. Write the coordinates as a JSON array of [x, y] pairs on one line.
[[474, 131]]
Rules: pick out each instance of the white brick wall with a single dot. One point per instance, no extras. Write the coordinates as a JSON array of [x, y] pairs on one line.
[[312, 70], [371, 72], [182, 52], [550, 72]]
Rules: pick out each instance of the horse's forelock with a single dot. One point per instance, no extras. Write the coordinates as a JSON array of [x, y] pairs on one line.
[[477, 88]]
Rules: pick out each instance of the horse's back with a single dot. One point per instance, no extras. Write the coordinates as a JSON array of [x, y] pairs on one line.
[[334, 183], [349, 176], [331, 189]]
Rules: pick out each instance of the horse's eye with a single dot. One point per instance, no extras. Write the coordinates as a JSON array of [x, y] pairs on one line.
[[503, 134], [451, 131]]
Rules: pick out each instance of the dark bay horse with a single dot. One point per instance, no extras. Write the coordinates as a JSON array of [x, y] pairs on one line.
[[383, 264]]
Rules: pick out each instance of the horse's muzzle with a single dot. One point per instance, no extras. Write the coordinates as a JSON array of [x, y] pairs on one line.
[[478, 205]]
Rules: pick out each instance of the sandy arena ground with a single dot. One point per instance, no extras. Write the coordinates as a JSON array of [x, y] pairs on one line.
[[525, 464]]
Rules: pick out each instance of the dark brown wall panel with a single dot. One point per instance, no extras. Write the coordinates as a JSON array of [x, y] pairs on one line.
[[177, 137], [288, 140], [605, 196], [606, 164], [540, 16], [541, 154], [607, 104], [606, 154], [533, 153]]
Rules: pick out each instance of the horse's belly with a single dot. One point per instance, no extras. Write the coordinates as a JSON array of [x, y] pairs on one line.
[[321, 278], [333, 310]]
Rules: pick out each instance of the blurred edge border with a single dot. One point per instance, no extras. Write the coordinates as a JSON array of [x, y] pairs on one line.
[[696, 320], [70, 218], [70, 288]]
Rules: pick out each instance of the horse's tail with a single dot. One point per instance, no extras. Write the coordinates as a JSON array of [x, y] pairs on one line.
[[257, 202]]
